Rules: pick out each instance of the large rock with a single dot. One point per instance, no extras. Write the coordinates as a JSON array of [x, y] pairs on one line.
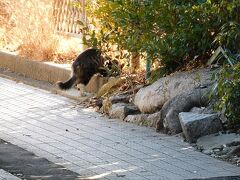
[[149, 120], [169, 120], [195, 125], [154, 118], [95, 83], [122, 110], [118, 98], [151, 98], [110, 86]]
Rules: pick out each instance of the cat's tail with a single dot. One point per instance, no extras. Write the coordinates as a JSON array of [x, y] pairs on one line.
[[68, 84]]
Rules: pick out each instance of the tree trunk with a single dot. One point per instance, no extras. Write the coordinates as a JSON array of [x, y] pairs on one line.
[[135, 62]]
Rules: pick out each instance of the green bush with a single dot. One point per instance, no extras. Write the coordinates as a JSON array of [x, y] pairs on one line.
[[227, 93], [192, 29], [229, 36], [156, 74], [173, 32]]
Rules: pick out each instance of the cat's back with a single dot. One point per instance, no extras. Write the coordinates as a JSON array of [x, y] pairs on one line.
[[89, 57]]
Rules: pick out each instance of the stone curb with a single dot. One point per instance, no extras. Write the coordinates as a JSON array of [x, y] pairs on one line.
[[37, 74], [33, 69]]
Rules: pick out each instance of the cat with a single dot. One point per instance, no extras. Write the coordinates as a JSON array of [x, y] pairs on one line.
[[84, 67]]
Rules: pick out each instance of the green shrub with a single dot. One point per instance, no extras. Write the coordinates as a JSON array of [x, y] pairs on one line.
[[193, 27], [229, 36], [157, 74], [227, 93], [173, 32]]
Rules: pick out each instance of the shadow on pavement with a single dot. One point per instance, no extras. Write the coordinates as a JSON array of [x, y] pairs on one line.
[[26, 165]]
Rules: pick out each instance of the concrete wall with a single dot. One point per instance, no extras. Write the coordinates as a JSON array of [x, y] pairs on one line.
[[33, 69]]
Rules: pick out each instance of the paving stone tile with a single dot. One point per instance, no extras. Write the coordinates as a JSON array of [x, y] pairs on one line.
[[85, 142]]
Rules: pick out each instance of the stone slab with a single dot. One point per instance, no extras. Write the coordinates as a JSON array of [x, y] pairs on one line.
[[195, 125]]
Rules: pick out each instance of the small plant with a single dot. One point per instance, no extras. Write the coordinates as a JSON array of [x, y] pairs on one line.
[[157, 74], [111, 68], [227, 89], [228, 36], [226, 92]]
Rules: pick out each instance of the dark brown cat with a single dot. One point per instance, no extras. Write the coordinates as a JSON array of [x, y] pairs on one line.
[[84, 67]]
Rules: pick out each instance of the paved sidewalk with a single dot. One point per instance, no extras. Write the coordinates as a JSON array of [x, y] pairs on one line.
[[93, 146]]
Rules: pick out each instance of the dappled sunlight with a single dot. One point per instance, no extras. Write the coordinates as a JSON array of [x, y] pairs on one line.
[[88, 110], [104, 165], [97, 176], [65, 163], [69, 114], [156, 159], [81, 141], [103, 170], [118, 172], [187, 148]]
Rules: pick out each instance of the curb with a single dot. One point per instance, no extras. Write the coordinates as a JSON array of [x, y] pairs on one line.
[[32, 69], [37, 74]]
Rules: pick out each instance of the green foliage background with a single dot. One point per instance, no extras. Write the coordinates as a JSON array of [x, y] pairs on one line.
[[227, 93], [174, 32]]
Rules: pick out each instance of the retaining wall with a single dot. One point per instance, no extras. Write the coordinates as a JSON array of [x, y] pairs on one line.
[[33, 69]]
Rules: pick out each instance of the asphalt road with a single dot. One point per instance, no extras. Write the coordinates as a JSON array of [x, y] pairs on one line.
[[26, 165]]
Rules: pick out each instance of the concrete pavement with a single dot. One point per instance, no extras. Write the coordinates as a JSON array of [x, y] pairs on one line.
[[93, 146]]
